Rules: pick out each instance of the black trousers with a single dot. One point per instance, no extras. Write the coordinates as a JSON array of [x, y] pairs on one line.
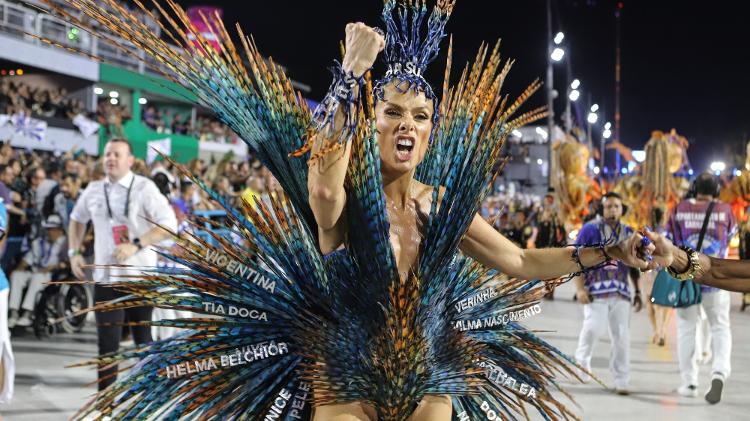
[[109, 330]]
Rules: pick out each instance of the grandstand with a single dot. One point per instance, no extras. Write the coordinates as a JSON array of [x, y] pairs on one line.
[[57, 100]]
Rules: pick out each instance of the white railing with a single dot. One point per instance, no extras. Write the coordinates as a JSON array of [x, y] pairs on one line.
[[19, 21]]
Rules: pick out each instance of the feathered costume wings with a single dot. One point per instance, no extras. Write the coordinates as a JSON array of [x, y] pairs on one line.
[[279, 326]]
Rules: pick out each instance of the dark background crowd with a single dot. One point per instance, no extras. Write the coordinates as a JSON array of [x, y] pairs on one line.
[[57, 103], [18, 97]]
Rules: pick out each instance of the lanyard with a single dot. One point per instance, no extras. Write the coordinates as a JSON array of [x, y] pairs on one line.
[[603, 231], [127, 199]]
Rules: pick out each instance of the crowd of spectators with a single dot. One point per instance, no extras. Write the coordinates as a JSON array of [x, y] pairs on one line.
[[112, 117], [206, 129], [36, 184], [18, 97], [528, 220]]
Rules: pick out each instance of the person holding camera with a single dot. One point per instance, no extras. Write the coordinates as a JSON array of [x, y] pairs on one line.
[[127, 212], [605, 294]]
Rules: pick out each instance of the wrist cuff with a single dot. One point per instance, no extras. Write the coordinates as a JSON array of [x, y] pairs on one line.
[[694, 266]]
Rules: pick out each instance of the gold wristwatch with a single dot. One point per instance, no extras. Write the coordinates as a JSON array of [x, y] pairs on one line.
[[694, 266]]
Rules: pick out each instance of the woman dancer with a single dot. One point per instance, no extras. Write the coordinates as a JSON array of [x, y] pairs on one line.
[[368, 287], [404, 126]]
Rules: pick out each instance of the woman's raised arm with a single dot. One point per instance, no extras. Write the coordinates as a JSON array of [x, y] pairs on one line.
[[326, 173]]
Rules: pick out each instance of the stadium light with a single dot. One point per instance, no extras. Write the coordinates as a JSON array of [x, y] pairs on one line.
[[142, 101], [574, 95], [114, 94], [541, 132], [539, 161], [575, 84], [98, 91], [718, 166], [595, 108], [517, 133], [639, 156], [592, 117], [113, 101], [557, 54], [559, 37], [607, 134], [607, 125]]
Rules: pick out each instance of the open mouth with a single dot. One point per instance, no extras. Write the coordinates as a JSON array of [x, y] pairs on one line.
[[404, 148]]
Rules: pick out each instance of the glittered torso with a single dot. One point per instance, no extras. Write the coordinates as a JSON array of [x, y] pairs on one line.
[[406, 227]]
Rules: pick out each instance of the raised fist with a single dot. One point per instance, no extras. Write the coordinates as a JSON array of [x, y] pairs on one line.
[[362, 47]]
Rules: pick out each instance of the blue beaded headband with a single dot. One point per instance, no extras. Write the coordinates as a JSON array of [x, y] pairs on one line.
[[406, 53]]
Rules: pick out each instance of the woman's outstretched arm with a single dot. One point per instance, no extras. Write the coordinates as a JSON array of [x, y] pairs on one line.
[[492, 249]]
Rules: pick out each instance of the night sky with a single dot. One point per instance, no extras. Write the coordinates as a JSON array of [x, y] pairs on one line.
[[684, 64]]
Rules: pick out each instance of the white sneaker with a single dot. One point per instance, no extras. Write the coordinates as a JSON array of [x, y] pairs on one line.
[[12, 321], [24, 321], [688, 391]]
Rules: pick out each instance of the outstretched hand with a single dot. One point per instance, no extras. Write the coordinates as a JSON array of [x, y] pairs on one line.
[[363, 44], [663, 253], [634, 252], [657, 251]]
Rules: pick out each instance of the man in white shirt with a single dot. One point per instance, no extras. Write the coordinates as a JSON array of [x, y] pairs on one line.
[[121, 208], [47, 254]]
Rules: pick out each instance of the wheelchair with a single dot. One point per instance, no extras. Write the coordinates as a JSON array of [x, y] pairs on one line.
[[56, 308]]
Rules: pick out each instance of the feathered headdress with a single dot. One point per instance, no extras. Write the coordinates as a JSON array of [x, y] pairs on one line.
[[407, 53]]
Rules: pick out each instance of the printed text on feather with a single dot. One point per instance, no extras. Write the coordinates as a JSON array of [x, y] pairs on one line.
[[239, 356], [499, 377], [277, 409], [231, 310], [236, 268], [499, 320], [479, 298], [301, 398]]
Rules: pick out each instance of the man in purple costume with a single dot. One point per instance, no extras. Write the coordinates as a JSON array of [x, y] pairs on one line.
[[605, 295]]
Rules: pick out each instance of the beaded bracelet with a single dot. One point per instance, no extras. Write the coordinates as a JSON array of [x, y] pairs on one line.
[[576, 257], [341, 92]]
